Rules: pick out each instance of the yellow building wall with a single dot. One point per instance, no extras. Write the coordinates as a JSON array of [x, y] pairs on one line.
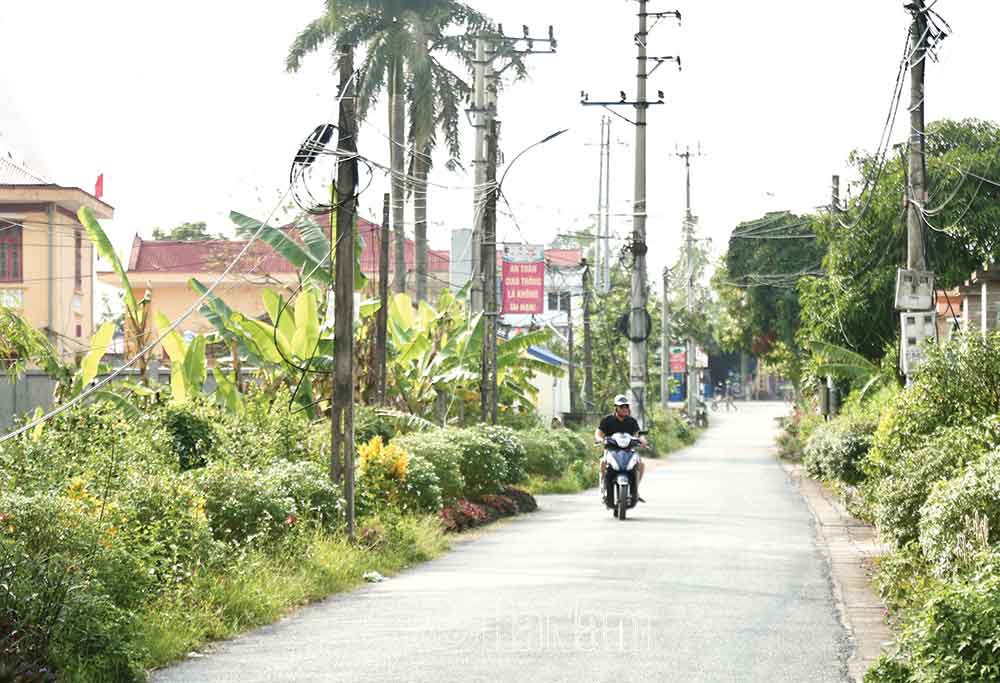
[[70, 306]]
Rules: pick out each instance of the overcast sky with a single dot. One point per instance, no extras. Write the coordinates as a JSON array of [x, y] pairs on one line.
[[186, 109]]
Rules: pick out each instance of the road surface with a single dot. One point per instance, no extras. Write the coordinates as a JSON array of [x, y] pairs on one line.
[[716, 578]]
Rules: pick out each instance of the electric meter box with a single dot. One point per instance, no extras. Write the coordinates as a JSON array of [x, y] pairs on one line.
[[917, 327], [914, 290]]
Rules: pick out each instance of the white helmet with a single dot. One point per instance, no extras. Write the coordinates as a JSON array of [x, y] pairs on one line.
[[621, 400]]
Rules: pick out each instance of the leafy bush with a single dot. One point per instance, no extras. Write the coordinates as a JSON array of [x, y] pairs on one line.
[[836, 448], [309, 486], [444, 455], [797, 428], [541, 457], [509, 443], [192, 436], [955, 636], [897, 490], [572, 445], [68, 587], [268, 430], [483, 464], [958, 384], [962, 516], [667, 432], [390, 477], [368, 424]]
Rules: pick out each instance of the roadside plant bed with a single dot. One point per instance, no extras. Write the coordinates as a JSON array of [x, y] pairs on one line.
[[464, 514]]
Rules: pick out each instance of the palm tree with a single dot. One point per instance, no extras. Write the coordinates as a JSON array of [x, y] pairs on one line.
[[400, 37]]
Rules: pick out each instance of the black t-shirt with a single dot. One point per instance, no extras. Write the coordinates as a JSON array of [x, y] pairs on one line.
[[612, 425]]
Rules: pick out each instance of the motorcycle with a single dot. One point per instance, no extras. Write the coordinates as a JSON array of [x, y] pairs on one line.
[[622, 461]]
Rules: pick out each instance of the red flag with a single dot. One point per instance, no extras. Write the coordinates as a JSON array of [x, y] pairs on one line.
[[99, 186]]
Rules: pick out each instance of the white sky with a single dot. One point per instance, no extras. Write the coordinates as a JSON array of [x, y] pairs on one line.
[[186, 108]]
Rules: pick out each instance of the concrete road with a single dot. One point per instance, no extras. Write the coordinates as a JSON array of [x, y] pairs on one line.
[[716, 578]]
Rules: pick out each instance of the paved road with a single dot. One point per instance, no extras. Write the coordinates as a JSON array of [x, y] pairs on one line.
[[716, 578]]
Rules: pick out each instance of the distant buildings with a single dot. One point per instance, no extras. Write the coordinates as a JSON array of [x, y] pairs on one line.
[[46, 259]]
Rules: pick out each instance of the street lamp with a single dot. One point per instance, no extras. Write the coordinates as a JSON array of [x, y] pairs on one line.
[[547, 138]]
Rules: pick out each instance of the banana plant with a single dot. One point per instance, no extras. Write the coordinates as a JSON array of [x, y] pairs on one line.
[[846, 364], [188, 369], [136, 310]]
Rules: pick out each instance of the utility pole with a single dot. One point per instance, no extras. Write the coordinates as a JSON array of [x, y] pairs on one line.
[[342, 403], [573, 401], [689, 223], [598, 243], [484, 110], [588, 360], [917, 193], [638, 298], [488, 379], [637, 320], [606, 265], [480, 118], [382, 317], [665, 343]]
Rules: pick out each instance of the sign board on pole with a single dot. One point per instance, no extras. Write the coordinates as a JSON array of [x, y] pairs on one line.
[[523, 283], [700, 358], [678, 360]]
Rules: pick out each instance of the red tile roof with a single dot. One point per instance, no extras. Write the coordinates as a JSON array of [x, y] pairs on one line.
[[212, 256]]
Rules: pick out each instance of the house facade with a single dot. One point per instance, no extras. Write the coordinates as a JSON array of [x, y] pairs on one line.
[[161, 270], [46, 259]]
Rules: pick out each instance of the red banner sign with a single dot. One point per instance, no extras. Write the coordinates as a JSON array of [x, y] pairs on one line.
[[523, 287], [678, 359]]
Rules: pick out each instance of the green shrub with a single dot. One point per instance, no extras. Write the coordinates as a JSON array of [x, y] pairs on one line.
[[444, 455], [267, 431], [308, 485], [243, 505], [571, 445], [542, 458], [191, 434], [368, 424], [667, 432], [509, 443], [392, 478], [68, 586], [955, 636], [896, 491], [962, 515], [483, 465], [836, 448], [958, 384]]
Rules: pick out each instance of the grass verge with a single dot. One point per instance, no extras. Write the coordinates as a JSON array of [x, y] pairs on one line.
[[267, 583]]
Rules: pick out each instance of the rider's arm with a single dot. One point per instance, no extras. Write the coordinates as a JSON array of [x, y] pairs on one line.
[[598, 436]]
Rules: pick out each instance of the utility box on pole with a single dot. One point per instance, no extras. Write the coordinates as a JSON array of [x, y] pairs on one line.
[[916, 327], [914, 290]]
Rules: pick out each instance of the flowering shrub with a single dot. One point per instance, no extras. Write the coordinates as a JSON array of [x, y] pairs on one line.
[[391, 477], [543, 457], [509, 443], [483, 465]]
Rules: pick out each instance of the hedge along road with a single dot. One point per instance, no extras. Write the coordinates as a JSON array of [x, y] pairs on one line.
[[716, 578]]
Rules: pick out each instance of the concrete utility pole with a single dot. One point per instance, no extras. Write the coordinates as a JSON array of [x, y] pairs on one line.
[[342, 410], [588, 361], [488, 379], [917, 193], [382, 317], [638, 298], [606, 264], [689, 223], [573, 400], [481, 117], [484, 110], [665, 343], [599, 245]]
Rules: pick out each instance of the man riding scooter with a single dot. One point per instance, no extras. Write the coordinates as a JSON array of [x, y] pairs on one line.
[[619, 422]]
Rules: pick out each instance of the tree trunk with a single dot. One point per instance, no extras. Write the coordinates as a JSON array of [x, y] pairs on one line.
[[397, 144]]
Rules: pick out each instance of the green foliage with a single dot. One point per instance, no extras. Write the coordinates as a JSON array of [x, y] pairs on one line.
[[192, 435], [511, 447], [444, 454], [954, 637], [757, 285], [667, 431], [896, 491], [390, 478], [836, 448], [962, 515], [187, 232], [959, 384], [483, 464], [852, 304], [542, 457]]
